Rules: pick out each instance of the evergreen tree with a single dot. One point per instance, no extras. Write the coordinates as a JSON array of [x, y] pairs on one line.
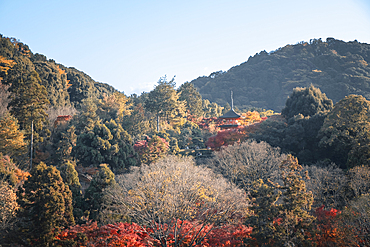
[[164, 101], [46, 206], [70, 178], [106, 143], [306, 101], [28, 101], [94, 194], [345, 131], [192, 97]]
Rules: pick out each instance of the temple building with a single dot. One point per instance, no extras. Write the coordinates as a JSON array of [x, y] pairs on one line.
[[231, 117]]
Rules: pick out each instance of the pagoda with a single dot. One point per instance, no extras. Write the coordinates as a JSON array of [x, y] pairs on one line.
[[231, 117]]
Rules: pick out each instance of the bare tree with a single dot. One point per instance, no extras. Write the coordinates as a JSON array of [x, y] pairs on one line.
[[247, 162], [166, 194], [327, 184], [356, 218]]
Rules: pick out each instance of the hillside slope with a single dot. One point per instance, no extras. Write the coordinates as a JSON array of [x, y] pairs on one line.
[[65, 86], [265, 81]]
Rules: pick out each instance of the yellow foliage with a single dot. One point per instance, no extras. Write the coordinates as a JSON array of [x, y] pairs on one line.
[[316, 70], [11, 138], [249, 118]]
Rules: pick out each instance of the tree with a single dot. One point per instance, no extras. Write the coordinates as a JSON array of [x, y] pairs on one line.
[[10, 173], [114, 106], [46, 206], [211, 109], [247, 162], [70, 178], [192, 97], [294, 223], [106, 143], [28, 101], [8, 209], [328, 184], [306, 101], [137, 124], [93, 195], [344, 130], [173, 190], [281, 212], [11, 138], [164, 101], [151, 149], [355, 219], [264, 210]]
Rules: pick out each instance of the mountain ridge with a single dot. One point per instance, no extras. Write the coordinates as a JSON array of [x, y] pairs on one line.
[[265, 80]]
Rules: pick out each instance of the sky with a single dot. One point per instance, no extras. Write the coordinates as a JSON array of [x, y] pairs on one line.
[[132, 44]]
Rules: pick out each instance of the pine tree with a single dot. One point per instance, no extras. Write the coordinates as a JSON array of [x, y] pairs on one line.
[[70, 178], [192, 97], [46, 206], [28, 103], [164, 101], [106, 143], [93, 196]]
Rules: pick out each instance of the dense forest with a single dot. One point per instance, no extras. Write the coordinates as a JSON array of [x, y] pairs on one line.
[[266, 80], [82, 164]]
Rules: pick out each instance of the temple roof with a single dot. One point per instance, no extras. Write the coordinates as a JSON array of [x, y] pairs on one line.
[[230, 114]]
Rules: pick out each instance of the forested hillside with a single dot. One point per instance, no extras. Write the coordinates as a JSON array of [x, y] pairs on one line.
[[82, 164], [265, 81], [65, 86]]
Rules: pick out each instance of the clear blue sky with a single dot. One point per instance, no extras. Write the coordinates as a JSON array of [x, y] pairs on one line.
[[131, 44]]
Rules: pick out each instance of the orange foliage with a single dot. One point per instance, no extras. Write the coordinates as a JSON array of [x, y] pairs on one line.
[[330, 231]]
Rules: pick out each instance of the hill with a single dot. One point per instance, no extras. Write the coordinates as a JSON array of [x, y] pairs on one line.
[[65, 86], [338, 68]]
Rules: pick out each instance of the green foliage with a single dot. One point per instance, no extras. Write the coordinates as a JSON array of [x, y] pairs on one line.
[[70, 178], [264, 210], [306, 101], [211, 109], [106, 143], [164, 101], [265, 81], [193, 99], [46, 206], [297, 133], [285, 221], [93, 195], [137, 124], [28, 101], [54, 80], [345, 131], [294, 221]]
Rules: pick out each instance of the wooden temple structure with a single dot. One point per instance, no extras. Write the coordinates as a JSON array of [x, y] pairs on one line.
[[230, 118]]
